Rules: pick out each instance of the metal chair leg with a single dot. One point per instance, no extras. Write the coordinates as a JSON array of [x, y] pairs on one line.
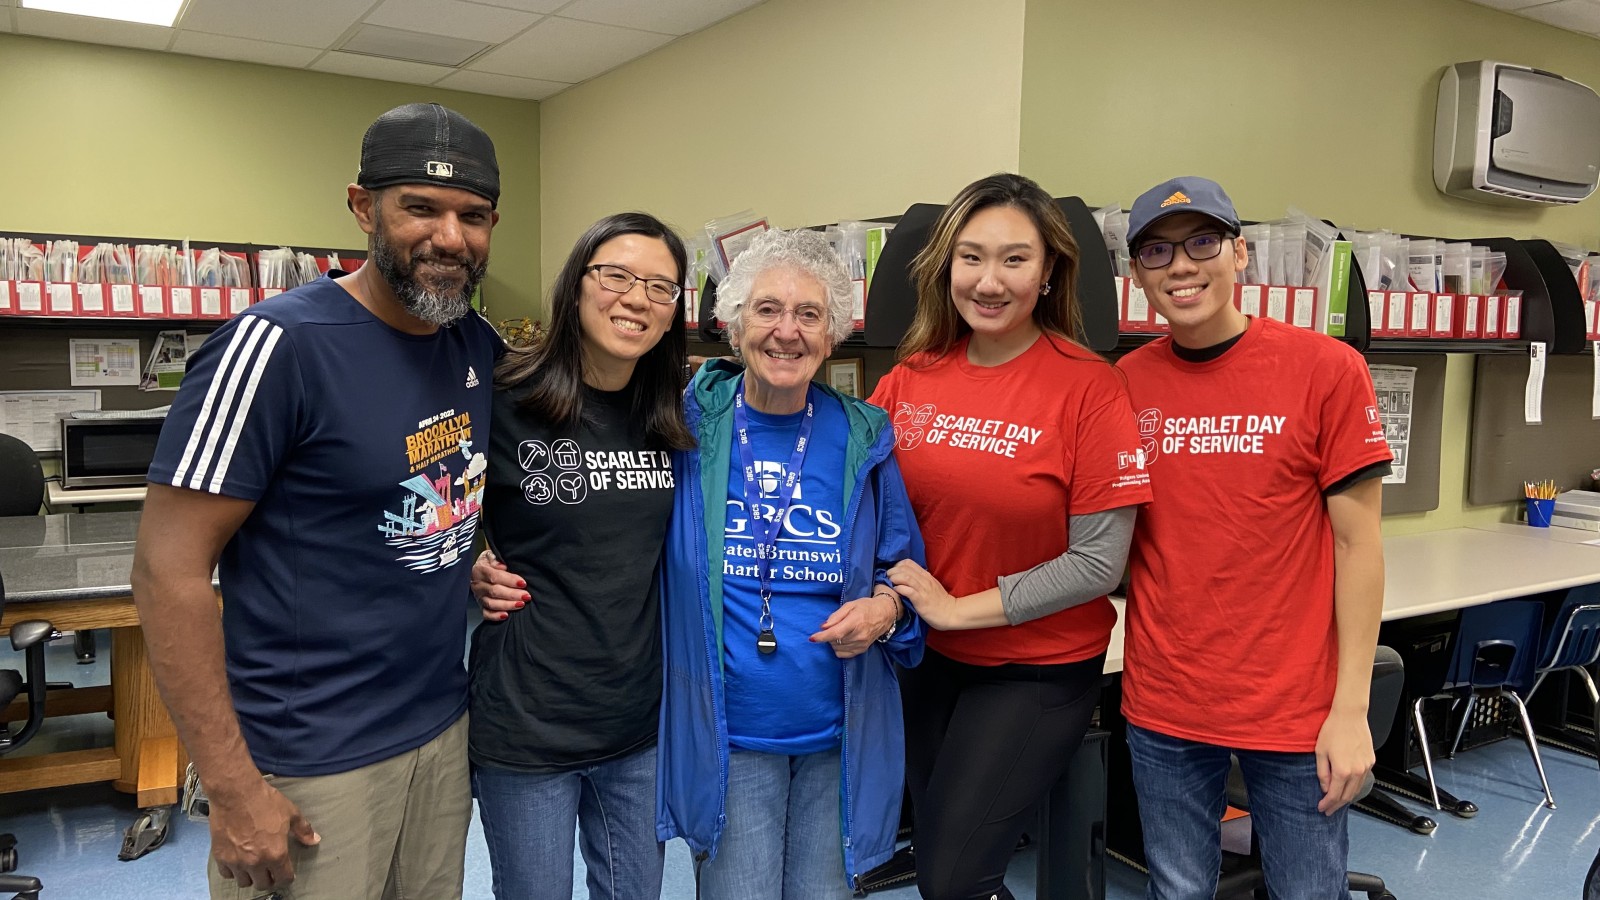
[[1472, 702], [1536, 682], [1427, 755], [1533, 746], [1594, 698]]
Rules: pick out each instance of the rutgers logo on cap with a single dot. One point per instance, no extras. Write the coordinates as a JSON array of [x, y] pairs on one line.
[[440, 169], [1176, 198]]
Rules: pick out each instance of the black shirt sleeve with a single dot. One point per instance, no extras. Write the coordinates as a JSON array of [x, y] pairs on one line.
[[1365, 473]]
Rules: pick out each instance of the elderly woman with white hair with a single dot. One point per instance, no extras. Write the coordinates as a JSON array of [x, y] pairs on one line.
[[781, 744]]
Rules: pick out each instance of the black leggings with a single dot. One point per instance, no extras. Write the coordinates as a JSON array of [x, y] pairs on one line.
[[984, 744]]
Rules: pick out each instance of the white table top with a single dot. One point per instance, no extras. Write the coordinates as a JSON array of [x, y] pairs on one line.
[[1438, 571], [1444, 570], [56, 497]]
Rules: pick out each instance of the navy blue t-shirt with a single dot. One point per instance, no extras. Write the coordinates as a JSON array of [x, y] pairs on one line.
[[345, 591], [790, 701]]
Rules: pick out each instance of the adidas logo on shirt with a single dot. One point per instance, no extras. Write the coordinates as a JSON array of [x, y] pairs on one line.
[[472, 377]]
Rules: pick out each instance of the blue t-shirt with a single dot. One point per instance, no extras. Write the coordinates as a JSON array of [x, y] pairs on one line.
[[791, 701], [345, 591]]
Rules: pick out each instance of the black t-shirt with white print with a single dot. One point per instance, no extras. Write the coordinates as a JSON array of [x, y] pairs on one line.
[[574, 678]]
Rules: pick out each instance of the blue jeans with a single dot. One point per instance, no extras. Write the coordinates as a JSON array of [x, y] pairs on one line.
[[1182, 789], [782, 839], [528, 823]]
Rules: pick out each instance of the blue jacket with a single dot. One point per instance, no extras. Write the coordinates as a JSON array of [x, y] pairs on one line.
[[692, 756]]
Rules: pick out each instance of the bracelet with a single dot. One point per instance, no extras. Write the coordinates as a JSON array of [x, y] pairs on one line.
[[900, 611]]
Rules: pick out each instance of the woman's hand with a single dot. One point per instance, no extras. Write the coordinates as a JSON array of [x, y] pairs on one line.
[[854, 626], [925, 594], [499, 592]]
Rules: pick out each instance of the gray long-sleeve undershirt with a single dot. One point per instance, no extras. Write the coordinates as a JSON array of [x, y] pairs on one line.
[[1097, 552]]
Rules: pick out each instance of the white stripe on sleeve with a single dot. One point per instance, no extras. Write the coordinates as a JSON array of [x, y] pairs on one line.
[[208, 408], [237, 425]]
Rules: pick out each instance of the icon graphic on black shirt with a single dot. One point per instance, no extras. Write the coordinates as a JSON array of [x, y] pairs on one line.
[[533, 456], [566, 453], [538, 488], [571, 487]]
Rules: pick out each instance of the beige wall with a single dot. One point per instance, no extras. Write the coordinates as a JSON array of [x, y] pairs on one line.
[[1325, 106], [809, 111], [107, 141]]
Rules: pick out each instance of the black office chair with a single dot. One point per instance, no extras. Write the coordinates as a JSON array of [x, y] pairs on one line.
[[1388, 678], [21, 478], [30, 637], [21, 494]]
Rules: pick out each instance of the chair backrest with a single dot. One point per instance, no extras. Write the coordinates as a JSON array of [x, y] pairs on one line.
[[1388, 683], [1515, 622], [21, 478], [1574, 635]]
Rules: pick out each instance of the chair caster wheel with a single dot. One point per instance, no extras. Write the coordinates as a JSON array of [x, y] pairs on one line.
[[8, 860]]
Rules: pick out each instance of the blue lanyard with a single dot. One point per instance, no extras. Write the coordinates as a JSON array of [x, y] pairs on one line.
[[763, 529]]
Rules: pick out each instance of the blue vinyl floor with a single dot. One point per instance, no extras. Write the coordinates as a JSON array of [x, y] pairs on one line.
[[1514, 848]]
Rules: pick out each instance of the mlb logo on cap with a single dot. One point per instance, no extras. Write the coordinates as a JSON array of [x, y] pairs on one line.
[[440, 169]]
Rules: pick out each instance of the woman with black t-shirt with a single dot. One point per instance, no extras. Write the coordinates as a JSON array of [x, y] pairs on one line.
[[566, 681]]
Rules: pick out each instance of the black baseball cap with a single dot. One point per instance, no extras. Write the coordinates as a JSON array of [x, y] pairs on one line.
[[425, 143], [1189, 193]]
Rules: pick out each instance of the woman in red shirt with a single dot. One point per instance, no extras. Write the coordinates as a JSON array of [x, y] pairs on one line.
[[1022, 461]]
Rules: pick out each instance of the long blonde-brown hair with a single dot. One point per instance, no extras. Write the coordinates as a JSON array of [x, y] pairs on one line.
[[937, 326]]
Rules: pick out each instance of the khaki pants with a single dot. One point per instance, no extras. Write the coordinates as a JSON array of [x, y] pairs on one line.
[[393, 830]]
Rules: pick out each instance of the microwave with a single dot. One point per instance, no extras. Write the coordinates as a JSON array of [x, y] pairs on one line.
[[108, 451]]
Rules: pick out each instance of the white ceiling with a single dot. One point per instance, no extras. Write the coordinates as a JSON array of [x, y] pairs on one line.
[[1582, 16], [527, 49]]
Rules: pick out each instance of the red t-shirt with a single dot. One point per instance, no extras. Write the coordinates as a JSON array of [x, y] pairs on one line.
[[995, 459], [1230, 632]]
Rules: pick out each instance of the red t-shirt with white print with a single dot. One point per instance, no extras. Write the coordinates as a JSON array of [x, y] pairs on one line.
[[1230, 633], [995, 459]]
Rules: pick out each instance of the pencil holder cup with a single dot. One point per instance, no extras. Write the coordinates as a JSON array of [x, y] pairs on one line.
[[1539, 512]]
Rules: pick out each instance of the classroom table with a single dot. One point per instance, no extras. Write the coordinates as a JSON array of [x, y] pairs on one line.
[[72, 570]]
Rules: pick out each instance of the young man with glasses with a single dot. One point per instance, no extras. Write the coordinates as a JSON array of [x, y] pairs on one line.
[[1257, 572]]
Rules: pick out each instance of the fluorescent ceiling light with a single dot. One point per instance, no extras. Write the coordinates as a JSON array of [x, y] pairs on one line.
[[145, 12]]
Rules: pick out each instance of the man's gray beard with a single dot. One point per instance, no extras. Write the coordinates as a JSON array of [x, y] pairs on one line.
[[429, 306]]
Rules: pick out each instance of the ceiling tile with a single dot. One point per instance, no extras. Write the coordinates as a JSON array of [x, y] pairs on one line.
[[307, 23], [1578, 15], [453, 18], [395, 43], [502, 85], [653, 15], [382, 69], [91, 30], [220, 46], [533, 6], [565, 50]]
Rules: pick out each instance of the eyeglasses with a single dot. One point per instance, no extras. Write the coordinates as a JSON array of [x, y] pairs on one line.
[[1199, 247], [808, 317], [618, 280]]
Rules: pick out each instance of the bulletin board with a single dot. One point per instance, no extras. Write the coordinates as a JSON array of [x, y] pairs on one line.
[[1420, 493], [1507, 451]]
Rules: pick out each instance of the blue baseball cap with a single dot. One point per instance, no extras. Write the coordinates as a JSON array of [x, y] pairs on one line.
[[1191, 194]]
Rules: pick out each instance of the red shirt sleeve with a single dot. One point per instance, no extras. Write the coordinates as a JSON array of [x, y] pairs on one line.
[[1107, 462], [1350, 433]]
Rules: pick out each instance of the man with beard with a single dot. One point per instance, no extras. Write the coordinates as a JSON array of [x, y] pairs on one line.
[[325, 455]]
